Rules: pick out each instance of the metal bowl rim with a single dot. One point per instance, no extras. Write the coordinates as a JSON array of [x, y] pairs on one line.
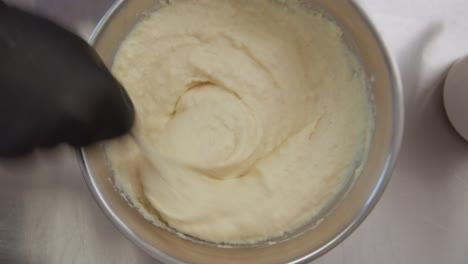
[[386, 172]]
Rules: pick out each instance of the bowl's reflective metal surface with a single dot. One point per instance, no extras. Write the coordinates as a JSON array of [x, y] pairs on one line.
[[312, 243]]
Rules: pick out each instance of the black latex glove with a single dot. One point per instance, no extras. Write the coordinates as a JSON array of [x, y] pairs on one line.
[[54, 88]]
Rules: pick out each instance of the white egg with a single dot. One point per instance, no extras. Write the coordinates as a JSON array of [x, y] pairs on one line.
[[456, 96]]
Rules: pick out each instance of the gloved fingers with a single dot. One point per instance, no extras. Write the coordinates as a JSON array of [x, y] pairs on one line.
[[54, 88]]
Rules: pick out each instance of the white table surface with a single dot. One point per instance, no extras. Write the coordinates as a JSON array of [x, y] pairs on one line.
[[47, 215]]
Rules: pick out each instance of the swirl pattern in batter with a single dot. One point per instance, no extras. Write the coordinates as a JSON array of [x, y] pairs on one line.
[[251, 117]]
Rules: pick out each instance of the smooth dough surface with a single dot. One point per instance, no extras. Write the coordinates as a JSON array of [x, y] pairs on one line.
[[251, 117]]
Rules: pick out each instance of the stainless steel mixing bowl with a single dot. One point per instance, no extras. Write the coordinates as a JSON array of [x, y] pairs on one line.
[[309, 242]]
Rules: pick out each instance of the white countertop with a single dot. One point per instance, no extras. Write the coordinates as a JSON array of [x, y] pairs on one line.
[[47, 215]]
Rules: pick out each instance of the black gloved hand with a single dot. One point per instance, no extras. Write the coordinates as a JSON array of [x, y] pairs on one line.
[[54, 88]]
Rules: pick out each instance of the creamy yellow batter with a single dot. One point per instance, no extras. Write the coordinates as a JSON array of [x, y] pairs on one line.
[[251, 117]]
